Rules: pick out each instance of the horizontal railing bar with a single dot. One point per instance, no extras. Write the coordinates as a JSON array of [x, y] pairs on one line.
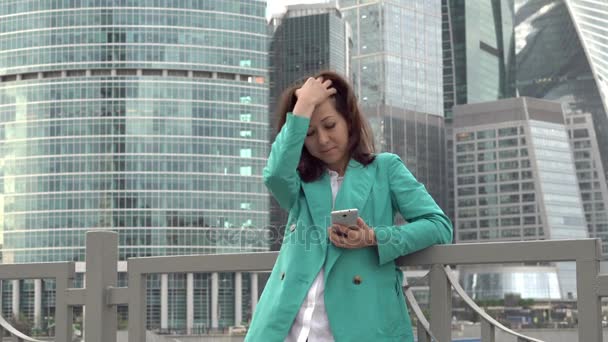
[[75, 296], [37, 271], [461, 292], [461, 254], [237, 262], [504, 252], [602, 285], [117, 295]]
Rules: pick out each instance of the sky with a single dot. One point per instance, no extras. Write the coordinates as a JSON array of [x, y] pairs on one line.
[[278, 6]]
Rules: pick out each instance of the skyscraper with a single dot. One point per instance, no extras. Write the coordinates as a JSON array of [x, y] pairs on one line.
[[516, 180], [397, 74], [555, 62], [145, 117], [590, 19], [306, 39], [547, 49]]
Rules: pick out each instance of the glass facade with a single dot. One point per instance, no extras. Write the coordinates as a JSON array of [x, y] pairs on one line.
[[482, 37], [547, 28], [397, 73], [495, 186], [307, 39], [147, 117], [529, 282], [477, 34], [548, 49], [557, 181], [516, 179], [590, 18], [593, 188]]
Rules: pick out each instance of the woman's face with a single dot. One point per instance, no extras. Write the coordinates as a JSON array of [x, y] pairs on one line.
[[327, 137]]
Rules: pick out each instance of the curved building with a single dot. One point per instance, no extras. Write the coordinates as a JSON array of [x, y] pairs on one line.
[[556, 60], [516, 181], [148, 118], [548, 49], [591, 21]]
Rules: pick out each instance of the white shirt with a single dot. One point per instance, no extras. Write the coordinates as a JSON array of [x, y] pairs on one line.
[[311, 323]]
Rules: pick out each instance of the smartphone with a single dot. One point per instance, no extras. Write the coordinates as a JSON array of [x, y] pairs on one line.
[[347, 217]]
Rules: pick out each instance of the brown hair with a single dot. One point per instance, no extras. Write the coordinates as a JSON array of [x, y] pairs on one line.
[[360, 140]]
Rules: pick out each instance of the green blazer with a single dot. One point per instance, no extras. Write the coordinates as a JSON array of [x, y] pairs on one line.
[[363, 294]]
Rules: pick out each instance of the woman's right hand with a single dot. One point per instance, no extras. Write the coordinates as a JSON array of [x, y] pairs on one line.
[[311, 94]]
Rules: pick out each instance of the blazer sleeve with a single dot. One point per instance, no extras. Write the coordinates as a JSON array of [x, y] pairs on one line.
[[427, 224], [280, 174]]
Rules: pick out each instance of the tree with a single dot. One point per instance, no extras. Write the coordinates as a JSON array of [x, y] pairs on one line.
[[22, 323]]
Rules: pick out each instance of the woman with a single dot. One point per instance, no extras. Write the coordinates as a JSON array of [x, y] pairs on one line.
[[339, 283]]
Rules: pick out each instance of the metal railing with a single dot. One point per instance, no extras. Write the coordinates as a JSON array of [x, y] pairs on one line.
[[591, 285], [101, 294]]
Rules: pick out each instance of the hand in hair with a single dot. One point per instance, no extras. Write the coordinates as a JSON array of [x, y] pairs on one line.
[[311, 94]]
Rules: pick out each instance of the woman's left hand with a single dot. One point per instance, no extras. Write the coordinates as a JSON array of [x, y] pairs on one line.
[[358, 236]]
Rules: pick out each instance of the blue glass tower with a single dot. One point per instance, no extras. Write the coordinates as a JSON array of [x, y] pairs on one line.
[[144, 117]]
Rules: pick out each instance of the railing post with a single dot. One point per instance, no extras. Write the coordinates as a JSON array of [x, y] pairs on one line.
[[137, 305], [589, 303], [101, 262], [441, 304], [189, 302], [63, 311], [487, 331], [423, 336]]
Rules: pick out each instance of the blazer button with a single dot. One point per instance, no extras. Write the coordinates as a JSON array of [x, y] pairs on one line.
[[282, 275], [292, 227], [357, 280]]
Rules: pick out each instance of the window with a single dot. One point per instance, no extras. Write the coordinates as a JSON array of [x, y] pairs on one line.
[[245, 171], [488, 189], [465, 147], [528, 198], [492, 200], [466, 191], [245, 153], [487, 178], [507, 154], [503, 132], [486, 145], [507, 143], [487, 156], [466, 158], [486, 134], [580, 133], [466, 180], [486, 167]]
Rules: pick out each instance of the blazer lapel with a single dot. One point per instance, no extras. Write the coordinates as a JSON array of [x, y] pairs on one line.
[[358, 181], [318, 196], [354, 192]]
